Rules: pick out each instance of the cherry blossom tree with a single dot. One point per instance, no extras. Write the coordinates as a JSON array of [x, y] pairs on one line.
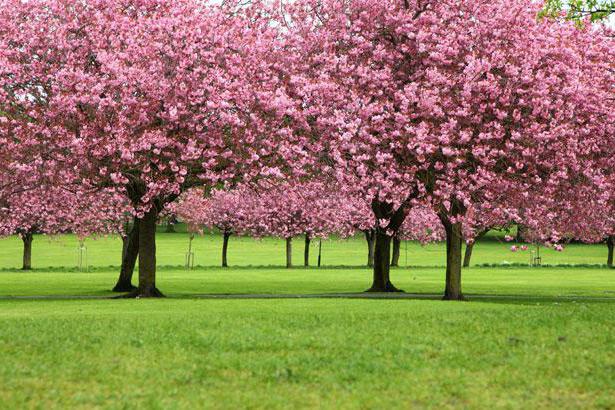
[[422, 225], [21, 170], [449, 103], [285, 209], [151, 97], [291, 209], [222, 210], [54, 210], [575, 212], [357, 216]]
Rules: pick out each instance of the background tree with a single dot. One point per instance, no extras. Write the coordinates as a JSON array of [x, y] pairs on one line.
[[53, 210], [422, 225], [357, 216], [292, 209], [223, 210]]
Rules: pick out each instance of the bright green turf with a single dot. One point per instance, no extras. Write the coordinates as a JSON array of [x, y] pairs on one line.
[[62, 252], [546, 339], [194, 353], [179, 282]]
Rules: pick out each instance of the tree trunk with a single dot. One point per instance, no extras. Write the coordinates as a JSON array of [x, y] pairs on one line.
[[225, 239], [125, 241], [27, 239], [610, 243], [170, 227], [468, 254], [521, 231], [306, 251], [467, 257], [382, 257], [454, 242], [369, 236], [395, 256], [147, 257], [289, 252], [130, 252]]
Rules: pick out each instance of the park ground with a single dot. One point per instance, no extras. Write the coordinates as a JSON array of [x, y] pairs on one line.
[[257, 335]]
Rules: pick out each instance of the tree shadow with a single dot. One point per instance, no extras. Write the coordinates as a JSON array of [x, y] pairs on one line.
[[509, 299]]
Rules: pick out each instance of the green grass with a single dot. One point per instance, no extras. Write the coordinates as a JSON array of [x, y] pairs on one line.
[[104, 252], [183, 283], [527, 338]]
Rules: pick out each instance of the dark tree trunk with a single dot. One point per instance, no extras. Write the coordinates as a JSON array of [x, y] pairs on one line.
[[125, 241], [147, 257], [225, 239], [382, 249], [396, 247], [170, 227], [454, 242], [130, 252], [382, 257], [27, 239], [306, 251], [371, 243], [521, 232], [289, 252], [468, 254], [610, 243]]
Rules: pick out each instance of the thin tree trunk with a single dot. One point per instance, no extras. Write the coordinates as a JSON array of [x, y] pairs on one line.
[[396, 247], [382, 258], [27, 239], [225, 239], [289, 252], [130, 252], [454, 241], [467, 257], [306, 251], [468, 254], [610, 243], [147, 257], [371, 243]]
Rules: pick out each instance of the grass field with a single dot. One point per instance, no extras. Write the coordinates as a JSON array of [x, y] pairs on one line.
[[61, 252], [243, 338]]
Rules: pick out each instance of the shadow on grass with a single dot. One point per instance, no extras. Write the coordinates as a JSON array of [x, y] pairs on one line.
[[470, 297], [230, 269]]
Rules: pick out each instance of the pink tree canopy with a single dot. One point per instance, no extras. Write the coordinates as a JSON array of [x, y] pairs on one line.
[[456, 103], [147, 96]]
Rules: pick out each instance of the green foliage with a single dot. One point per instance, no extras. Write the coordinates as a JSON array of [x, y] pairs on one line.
[[578, 9]]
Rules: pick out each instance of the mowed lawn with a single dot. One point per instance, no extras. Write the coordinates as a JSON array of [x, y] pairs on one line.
[[62, 252], [527, 337]]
